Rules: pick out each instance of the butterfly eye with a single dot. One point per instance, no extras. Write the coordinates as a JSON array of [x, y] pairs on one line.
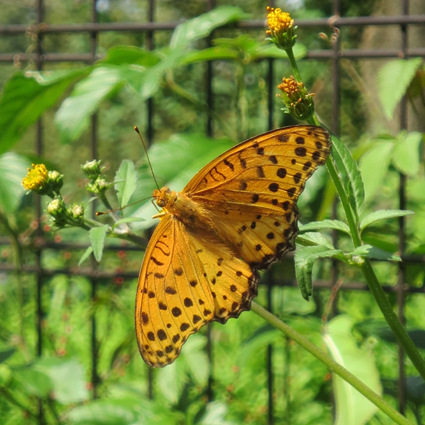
[[160, 202]]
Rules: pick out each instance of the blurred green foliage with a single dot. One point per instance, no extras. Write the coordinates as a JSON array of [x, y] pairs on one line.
[[116, 87]]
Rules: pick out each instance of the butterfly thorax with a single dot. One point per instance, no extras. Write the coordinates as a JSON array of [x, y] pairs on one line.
[[184, 209]]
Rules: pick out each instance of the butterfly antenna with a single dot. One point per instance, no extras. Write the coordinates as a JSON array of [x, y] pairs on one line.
[[147, 156], [121, 208]]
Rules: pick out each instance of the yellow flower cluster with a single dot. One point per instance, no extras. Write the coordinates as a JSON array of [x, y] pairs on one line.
[[36, 177], [290, 86], [278, 21]]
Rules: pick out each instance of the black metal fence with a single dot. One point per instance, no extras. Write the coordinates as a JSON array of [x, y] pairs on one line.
[[402, 21]]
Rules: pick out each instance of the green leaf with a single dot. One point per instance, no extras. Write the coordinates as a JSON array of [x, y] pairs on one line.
[[313, 239], [304, 260], [35, 382], [127, 220], [24, 99], [68, 378], [73, 117], [406, 154], [209, 54], [146, 82], [325, 224], [374, 166], [373, 252], [393, 80], [6, 352], [351, 407], [13, 168], [203, 25], [174, 162], [382, 215], [86, 255], [97, 237], [350, 175], [271, 51], [125, 181], [130, 55]]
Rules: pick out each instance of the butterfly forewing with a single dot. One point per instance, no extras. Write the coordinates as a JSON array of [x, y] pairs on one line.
[[265, 174]]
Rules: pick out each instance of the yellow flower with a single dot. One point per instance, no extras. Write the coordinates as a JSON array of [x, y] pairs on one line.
[[278, 21], [36, 177]]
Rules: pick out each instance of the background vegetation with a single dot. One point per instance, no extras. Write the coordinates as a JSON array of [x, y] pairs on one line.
[[348, 323]]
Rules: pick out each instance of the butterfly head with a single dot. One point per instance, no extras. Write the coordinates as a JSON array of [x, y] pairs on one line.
[[164, 197]]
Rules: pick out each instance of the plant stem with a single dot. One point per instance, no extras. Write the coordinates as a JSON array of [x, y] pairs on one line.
[[393, 321], [375, 287], [333, 365], [294, 65]]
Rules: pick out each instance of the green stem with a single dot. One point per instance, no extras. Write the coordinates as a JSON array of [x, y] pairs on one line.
[[333, 365], [18, 268], [375, 287], [294, 65], [393, 321], [8, 396]]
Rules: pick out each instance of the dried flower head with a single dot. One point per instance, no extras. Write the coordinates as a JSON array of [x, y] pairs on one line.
[[296, 98]]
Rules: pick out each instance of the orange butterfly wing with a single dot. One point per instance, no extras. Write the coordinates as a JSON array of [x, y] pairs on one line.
[[185, 283], [253, 188], [249, 195]]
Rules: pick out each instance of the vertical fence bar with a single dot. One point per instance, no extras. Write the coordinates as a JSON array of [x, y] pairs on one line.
[[401, 233], [269, 276], [38, 210], [209, 75], [93, 279], [150, 44]]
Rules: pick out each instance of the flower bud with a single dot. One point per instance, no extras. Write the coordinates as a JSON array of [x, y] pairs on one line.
[[91, 169], [77, 211], [98, 187], [55, 181]]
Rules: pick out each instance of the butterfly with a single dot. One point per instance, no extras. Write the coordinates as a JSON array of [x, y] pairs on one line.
[[236, 216]]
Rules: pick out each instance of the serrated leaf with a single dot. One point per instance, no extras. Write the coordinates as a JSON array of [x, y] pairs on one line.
[[401, 71], [13, 168], [351, 407], [304, 260], [86, 255], [374, 166], [127, 220], [73, 117], [375, 253], [26, 96], [325, 224], [350, 175], [406, 154], [313, 239], [383, 215], [201, 26], [125, 181], [97, 237]]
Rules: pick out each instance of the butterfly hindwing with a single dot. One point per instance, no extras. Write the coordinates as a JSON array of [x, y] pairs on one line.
[[185, 283]]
